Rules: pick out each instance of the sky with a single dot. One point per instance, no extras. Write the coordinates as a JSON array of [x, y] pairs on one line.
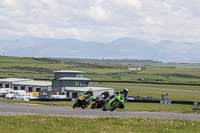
[[101, 20]]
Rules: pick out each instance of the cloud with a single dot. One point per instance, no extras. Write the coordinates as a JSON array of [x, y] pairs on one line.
[[98, 13], [128, 3], [101, 20]]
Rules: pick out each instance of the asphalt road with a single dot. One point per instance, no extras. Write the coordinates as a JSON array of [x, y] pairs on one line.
[[150, 88], [14, 109]]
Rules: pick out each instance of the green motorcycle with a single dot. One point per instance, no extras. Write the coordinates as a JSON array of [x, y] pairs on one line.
[[116, 102]]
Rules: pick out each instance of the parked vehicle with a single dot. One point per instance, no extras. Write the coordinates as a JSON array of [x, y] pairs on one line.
[[14, 93], [4, 91], [81, 102], [25, 96], [99, 102]]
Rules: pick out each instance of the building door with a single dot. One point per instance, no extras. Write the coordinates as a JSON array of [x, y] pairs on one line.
[[38, 89], [30, 89], [1, 85], [15, 87], [74, 94], [67, 94], [22, 87], [7, 85]]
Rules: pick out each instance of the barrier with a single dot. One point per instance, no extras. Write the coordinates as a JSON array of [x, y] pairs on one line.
[[135, 101], [49, 100]]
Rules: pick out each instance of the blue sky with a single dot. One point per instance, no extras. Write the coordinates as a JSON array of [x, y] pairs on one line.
[[101, 20]]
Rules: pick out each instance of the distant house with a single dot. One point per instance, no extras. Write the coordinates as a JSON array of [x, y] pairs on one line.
[[134, 68]]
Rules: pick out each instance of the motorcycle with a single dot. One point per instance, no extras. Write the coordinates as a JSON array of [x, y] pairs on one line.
[[116, 102], [81, 102], [99, 102]]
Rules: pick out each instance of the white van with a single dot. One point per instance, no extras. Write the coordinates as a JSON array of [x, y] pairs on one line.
[[4, 91], [14, 93], [25, 97]]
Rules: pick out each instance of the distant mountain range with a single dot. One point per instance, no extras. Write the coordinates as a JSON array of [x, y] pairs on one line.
[[124, 48]]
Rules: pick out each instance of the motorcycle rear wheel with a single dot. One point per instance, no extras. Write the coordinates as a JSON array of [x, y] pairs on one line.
[[93, 106]]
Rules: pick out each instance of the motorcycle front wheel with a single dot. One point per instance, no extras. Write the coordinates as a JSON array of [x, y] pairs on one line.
[[114, 106], [75, 105]]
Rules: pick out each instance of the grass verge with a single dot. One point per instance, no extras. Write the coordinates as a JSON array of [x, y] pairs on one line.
[[61, 124]]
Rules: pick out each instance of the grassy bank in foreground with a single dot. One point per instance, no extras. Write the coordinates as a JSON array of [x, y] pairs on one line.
[[41, 124], [148, 107]]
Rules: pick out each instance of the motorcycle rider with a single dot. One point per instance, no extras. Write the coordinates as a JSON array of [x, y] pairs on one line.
[[89, 96], [106, 94], [124, 92]]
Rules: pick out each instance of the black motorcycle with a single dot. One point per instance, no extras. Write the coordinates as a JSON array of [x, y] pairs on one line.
[[81, 102], [99, 102]]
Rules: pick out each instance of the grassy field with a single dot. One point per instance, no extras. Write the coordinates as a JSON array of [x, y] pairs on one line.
[[43, 68], [51, 124], [179, 87]]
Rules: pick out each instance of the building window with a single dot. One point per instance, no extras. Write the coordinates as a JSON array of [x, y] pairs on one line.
[[1, 85], [7, 85], [79, 75], [74, 95], [22, 87], [30, 89], [81, 84], [15, 87], [38, 89], [77, 83], [63, 93]]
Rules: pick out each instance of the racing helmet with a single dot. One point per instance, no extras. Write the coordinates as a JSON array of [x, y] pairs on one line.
[[125, 91], [90, 91], [107, 93]]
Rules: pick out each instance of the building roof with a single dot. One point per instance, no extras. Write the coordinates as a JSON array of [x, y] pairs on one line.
[[74, 79], [85, 88], [69, 71], [15, 79], [33, 83]]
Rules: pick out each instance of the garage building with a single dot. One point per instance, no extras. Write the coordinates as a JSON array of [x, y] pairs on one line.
[[8, 82], [32, 86]]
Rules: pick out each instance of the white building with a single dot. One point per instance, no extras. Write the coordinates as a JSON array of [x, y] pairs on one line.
[[32, 86], [7, 82], [134, 68], [74, 92], [29, 85]]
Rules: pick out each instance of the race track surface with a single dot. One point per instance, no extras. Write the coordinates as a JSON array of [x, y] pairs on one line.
[[16, 109]]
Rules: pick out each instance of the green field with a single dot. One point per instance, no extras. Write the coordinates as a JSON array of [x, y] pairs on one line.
[[52, 124], [42, 68]]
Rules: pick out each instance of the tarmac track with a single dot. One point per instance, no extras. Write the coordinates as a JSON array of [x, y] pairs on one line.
[[19, 109]]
